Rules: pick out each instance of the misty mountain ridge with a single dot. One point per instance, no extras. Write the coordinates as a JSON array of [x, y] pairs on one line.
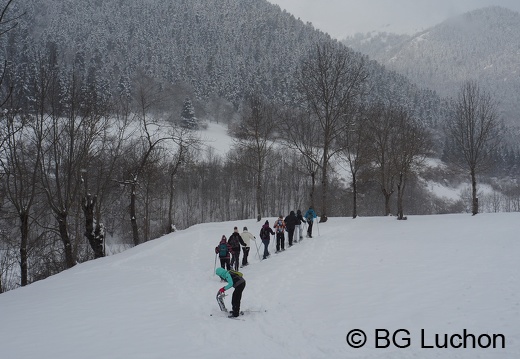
[[481, 45]]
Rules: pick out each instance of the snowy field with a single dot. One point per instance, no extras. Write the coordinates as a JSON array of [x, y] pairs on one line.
[[445, 276]]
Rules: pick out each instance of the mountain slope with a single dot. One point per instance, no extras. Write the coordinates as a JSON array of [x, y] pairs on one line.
[[480, 45], [217, 49], [440, 273]]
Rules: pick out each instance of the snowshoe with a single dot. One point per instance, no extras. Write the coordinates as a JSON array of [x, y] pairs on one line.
[[220, 301]]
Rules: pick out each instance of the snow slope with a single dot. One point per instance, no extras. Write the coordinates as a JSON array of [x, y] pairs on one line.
[[217, 138], [442, 274]]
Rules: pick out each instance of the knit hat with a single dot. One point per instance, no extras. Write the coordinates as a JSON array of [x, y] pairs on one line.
[[245, 228]]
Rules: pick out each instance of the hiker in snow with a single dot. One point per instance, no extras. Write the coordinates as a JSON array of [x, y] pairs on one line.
[[279, 227], [246, 237], [309, 216], [265, 236], [234, 279], [290, 225], [235, 241], [299, 224], [223, 249]]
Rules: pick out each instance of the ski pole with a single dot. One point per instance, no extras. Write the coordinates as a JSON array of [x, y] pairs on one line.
[[215, 266], [256, 245], [318, 226]]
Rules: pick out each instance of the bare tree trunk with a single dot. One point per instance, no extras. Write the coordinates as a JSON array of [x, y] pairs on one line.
[[64, 234], [387, 195], [400, 193], [259, 198], [474, 198], [92, 232], [133, 215], [313, 188], [24, 228], [170, 203], [146, 219], [324, 184], [354, 196]]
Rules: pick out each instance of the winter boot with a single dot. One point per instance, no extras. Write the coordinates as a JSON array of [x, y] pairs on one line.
[[233, 314]]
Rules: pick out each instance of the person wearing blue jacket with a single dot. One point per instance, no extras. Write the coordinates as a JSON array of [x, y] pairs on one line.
[[309, 217], [236, 281]]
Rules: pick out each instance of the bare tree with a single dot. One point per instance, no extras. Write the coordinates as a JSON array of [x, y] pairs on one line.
[[382, 139], [68, 136], [152, 137], [254, 140], [412, 144], [354, 141], [331, 80], [97, 175], [473, 132], [147, 94], [301, 133], [21, 154], [150, 141], [20, 161], [181, 156]]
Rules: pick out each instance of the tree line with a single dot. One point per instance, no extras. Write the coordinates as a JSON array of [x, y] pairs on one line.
[[87, 172], [79, 172]]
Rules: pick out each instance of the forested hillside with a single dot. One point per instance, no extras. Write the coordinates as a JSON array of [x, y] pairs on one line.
[[217, 49], [480, 45]]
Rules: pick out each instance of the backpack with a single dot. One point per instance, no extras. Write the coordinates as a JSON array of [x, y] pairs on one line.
[[279, 228], [222, 250], [310, 217], [263, 233], [233, 242], [235, 272]]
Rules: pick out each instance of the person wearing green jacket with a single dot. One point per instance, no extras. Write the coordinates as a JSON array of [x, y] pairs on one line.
[[234, 280]]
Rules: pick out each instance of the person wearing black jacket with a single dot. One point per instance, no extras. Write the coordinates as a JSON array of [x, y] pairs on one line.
[[265, 236], [235, 241], [290, 223]]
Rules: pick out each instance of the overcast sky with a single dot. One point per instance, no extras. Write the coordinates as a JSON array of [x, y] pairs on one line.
[[341, 18]]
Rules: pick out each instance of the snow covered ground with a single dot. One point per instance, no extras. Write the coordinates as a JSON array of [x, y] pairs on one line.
[[217, 138], [430, 275]]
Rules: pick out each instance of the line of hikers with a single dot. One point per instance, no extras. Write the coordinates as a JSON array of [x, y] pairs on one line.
[[228, 250]]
